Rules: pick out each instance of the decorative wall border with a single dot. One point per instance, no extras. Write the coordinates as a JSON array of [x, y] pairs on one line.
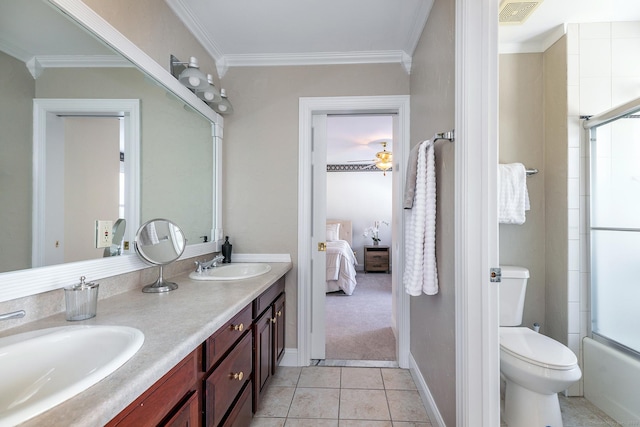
[[355, 167]]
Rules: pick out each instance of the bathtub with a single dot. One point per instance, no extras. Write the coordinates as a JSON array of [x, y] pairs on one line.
[[612, 381]]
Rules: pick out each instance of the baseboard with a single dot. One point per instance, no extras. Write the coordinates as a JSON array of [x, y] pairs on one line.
[[425, 394], [290, 357]]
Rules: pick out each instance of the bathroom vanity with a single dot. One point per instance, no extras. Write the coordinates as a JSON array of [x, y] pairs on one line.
[[210, 349]]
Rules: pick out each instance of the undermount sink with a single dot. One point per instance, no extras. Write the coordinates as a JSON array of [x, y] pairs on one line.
[[43, 368], [237, 271]]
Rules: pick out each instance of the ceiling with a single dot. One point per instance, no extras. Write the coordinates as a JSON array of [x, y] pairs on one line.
[[357, 137]]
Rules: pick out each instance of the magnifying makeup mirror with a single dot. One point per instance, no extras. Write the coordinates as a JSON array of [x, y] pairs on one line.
[[159, 242]]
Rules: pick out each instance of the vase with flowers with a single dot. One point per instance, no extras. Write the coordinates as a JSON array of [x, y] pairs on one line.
[[374, 231]]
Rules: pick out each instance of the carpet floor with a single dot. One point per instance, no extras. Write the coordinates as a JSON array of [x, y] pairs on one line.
[[358, 327]]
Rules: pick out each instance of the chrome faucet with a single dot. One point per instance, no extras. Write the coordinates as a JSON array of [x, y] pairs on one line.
[[13, 315], [205, 265]]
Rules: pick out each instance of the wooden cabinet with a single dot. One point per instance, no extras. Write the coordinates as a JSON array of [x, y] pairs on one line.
[[269, 332], [376, 258], [216, 385], [170, 401]]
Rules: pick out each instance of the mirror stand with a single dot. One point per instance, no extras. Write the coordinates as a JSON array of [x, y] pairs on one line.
[[160, 285]]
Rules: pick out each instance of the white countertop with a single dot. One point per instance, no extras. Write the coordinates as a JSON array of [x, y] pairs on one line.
[[173, 323]]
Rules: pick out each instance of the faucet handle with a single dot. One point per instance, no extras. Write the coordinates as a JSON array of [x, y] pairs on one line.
[[198, 267]]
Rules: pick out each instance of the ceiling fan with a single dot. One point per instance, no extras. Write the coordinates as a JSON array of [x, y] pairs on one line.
[[383, 160]]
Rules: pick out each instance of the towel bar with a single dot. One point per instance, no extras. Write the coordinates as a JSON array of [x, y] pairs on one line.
[[532, 171]]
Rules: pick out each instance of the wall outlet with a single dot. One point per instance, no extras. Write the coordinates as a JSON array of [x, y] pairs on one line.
[[104, 231]]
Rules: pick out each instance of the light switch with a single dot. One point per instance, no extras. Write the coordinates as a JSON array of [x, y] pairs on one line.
[[104, 230]]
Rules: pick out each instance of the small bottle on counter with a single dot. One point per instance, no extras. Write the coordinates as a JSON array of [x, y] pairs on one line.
[[226, 250]]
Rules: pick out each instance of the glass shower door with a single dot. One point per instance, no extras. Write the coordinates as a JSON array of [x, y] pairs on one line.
[[615, 231]]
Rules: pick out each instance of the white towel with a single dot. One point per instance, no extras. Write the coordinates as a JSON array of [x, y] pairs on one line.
[[513, 197], [421, 273], [412, 170]]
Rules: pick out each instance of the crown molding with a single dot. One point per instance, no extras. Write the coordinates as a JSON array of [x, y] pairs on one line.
[[321, 58], [37, 64], [536, 46], [419, 21]]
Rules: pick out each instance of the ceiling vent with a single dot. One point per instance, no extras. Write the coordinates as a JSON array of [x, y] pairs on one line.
[[516, 12]]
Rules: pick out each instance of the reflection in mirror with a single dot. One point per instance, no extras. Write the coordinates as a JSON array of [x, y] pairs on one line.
[[159, 242], [63, 61]]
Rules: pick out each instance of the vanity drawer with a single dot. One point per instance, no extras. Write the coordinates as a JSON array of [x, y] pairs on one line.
[[263, 302], [223, 386], [217, 345], [163, 397]]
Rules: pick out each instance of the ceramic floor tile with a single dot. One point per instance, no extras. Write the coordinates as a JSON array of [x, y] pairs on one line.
[[406, 405], [363, 405], [309, 422], [286, 376], [398, 379], [363, 378], [267, 422], [364, 423], [320, 376], [315, 403], [276, 402]]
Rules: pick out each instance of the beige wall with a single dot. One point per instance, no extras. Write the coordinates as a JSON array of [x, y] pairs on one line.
[[556, 160], [432, 110], [260, 154], [521, 133], [17, 89]]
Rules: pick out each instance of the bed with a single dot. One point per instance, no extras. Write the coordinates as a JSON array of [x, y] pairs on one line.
[[341, 272]]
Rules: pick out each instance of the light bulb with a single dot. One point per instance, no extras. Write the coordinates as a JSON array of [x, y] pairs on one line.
[[208, 95], [194, 81], [222, 107]]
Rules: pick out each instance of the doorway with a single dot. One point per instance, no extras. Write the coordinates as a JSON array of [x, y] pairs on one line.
[[311, 334], [359, 304]]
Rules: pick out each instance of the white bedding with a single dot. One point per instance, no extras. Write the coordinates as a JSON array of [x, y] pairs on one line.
[[341, 272]]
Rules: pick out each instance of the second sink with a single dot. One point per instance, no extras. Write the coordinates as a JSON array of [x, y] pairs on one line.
[[236, 271]]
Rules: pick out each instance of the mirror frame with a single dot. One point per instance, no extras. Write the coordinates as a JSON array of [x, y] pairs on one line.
[[23, 283]]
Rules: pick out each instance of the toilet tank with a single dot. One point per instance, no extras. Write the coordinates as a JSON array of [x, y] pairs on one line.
[[513, 287]]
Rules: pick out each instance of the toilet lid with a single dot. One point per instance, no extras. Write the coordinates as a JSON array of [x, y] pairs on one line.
[[537, 349]]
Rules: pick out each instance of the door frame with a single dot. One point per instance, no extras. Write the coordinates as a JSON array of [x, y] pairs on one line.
[[308, 106]]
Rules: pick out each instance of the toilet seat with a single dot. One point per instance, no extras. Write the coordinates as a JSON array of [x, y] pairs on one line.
[[537, 349]]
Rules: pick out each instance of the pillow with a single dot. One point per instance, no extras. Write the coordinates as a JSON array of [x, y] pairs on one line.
[[333, 232]]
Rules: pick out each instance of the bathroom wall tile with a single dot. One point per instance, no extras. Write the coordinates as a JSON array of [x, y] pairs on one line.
[[622, 63], [584, 176], [573, 39], [573, 317], [597, 30], [584, 255], [625, 29], [574, 125], [595, 95], [574, 286], [624, 89], [573, 101], [584, 322], [573, 193], [574, 223], [574, 345], [573, 170], [595, 58], [573, 70], [573, 259]]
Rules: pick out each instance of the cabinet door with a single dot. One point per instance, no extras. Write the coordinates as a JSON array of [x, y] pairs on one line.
[[278, 333], [188, 415], [263, 354]]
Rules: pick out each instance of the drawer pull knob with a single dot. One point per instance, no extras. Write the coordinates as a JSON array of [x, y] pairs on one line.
[[279, 313], [239, 327], [273, 320], [237, 376]]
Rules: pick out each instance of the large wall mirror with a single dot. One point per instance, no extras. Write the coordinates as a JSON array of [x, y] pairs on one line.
[[90, 165]]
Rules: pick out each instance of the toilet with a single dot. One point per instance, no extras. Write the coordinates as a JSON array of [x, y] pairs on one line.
[[534, 366]]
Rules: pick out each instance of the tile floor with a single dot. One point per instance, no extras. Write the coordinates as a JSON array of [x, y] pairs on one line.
[[341, 397]]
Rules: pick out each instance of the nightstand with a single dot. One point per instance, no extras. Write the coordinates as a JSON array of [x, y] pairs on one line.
[[376, 258]]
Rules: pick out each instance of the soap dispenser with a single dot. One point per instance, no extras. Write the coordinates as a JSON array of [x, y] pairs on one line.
[[226, 250]]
